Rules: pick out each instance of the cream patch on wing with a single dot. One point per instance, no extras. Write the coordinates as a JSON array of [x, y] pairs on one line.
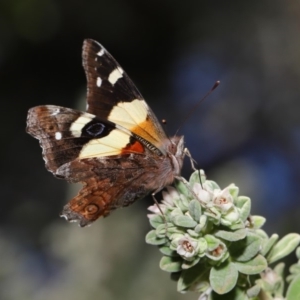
[[80, 122], [111, 144], [129, 114], [116, 74], [135, 117]]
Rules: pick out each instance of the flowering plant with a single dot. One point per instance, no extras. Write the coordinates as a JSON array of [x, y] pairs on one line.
[[211, 243]]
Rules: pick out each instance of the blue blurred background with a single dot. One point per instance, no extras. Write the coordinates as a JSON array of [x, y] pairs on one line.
[[247, 132]]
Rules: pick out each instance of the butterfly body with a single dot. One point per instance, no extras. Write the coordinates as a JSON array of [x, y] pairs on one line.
[[117, 149]]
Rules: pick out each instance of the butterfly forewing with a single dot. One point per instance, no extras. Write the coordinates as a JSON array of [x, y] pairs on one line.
[[66, 135], [106, 80], [112, 95]]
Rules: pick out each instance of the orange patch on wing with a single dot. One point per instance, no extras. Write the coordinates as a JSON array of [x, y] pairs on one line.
[[147, 131], [136, 147]]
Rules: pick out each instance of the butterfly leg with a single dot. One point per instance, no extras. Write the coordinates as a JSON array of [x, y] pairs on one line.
[[188, 154], [193, 162]]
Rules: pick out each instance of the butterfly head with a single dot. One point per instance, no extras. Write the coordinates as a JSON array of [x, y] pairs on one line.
[[176, 152]]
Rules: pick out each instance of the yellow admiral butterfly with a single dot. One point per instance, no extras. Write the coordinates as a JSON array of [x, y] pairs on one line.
[[117, 148]]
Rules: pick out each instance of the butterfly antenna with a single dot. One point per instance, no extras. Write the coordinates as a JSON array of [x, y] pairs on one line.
[[195, 107]]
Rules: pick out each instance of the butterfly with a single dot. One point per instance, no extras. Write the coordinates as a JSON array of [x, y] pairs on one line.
[[117, 149]]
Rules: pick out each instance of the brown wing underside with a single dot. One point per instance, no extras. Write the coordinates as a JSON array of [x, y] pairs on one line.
[[43, 122], [108, 184]]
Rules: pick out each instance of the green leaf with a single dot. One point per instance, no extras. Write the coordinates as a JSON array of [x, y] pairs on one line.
[[212, 185], [279, 269], [235, 226], [167, 251], [253, 291], [183, 187], [188, 264], [152, 239], [192, 233], [181, 204], [298, 252], [293, 291], [202, 223], [170, 264], [295, 269], [253, 266], [195, 177], [247, 248], [231, 236], [195, 210], [257, 222], [233, 190], [244, 205], [268, 243], [223, 278], [160, 231], [235, 294], [212, 242], [262, 234], [184, 221], [185, 202], [202, 244], [284, 247], [156, 220], [188, 277], [213, 215], [176, 212]]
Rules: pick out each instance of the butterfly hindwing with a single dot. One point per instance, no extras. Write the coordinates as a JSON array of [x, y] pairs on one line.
[[108, 184]]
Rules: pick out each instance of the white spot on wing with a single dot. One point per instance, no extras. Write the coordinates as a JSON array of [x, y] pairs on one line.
[[115, 75], [101, 52], [58, 135], [99, 81], [56, 112]]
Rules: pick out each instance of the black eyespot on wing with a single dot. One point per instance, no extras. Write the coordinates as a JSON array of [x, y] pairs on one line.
[[96, 129]]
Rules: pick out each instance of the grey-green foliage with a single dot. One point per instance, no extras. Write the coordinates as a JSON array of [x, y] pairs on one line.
[[212, 245]]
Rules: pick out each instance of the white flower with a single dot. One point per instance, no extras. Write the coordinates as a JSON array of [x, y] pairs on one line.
[[270, 276], [187, 247], [223, 199], [203, 194], [169, 195], [154, 208], [156, 211]]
